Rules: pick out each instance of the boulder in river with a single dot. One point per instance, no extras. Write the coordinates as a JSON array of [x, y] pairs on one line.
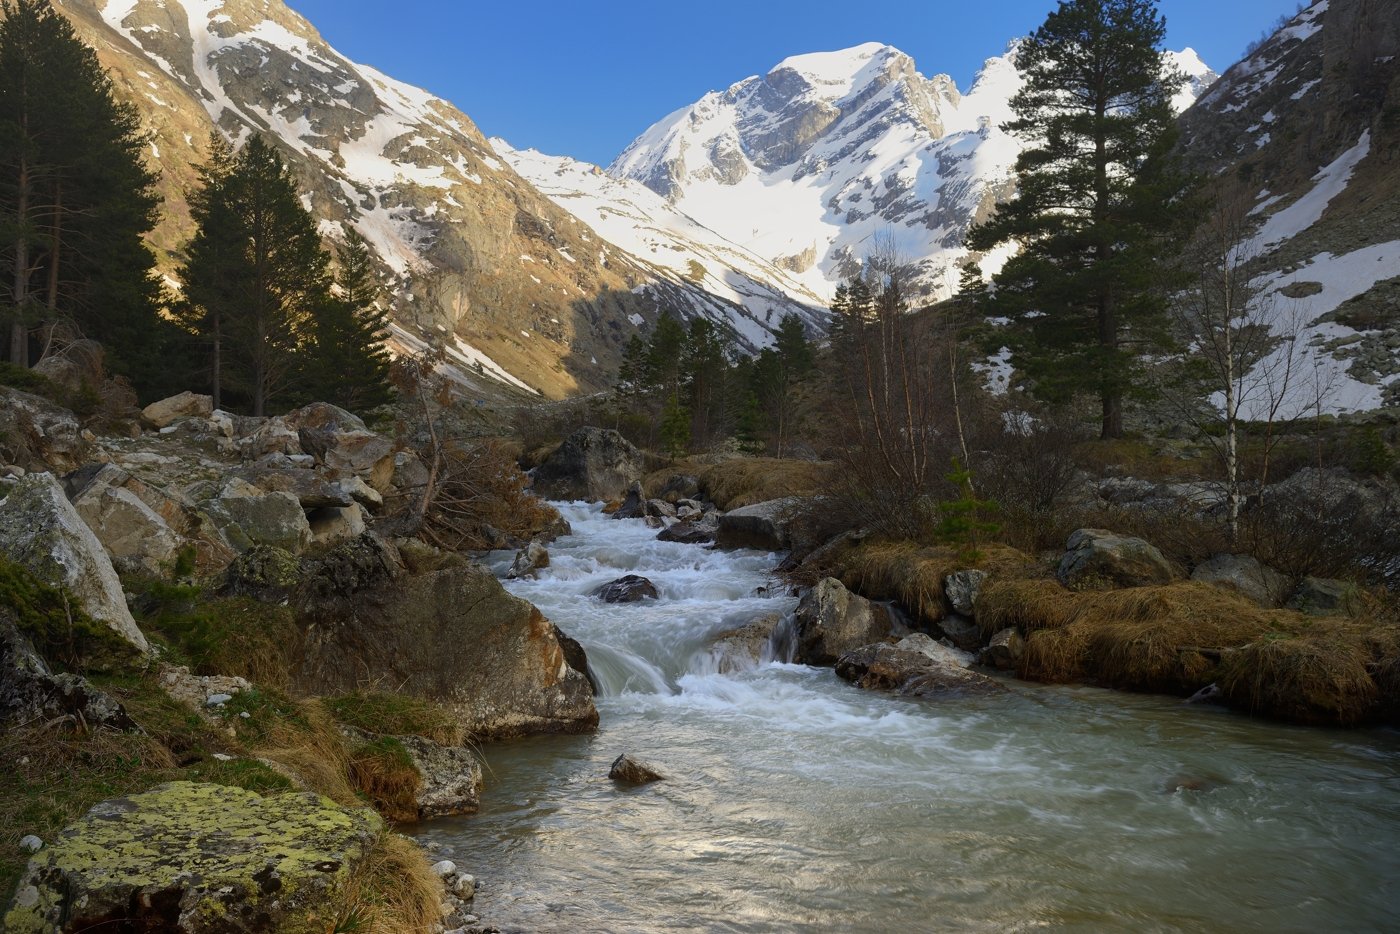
[[593, 464], [687, 533], [1095, 558], [743, 648], [633, 504], [187, 857], [763, 526], [533, 557], [629, 589], [632, 771], [831, 621], [909, 671]]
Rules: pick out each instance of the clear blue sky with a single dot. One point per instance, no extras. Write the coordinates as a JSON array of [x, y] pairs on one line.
[[584, 78]]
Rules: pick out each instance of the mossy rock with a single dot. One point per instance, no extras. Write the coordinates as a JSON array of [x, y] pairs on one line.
[[194, 857]]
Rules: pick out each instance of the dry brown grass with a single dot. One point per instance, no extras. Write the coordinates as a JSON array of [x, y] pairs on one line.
[[384, 771], [1321, 679], [310, 745], [733, 483], [393, 891]]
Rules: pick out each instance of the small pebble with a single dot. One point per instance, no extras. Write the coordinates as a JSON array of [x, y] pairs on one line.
[[218, 700], [31, 844], [245, 715], [223, 757]]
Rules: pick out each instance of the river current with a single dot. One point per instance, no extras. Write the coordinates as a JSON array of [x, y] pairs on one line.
[[795, 802]]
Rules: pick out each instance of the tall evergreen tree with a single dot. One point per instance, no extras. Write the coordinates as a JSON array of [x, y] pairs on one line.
[[76, 198], [350, 363], [257, 256], [213, 271], [1095, 196]]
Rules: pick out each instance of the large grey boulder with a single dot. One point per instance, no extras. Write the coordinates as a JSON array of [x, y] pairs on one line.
[[452, 635], [40, 530], [831, 621], [253, 517], [1323, 596], [39, 434], [196, 858], [909, 671], [1244, 575], [164, 413], [134, 535], [1096, 558], [763, 526], [593, 464]]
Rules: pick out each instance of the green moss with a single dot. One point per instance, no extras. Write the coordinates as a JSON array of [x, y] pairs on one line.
[[269, 711], [61, 632], [235, 636], [248, 774], [25, 380], [397, 715]]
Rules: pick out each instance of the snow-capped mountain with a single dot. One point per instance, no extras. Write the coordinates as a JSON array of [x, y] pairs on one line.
[[515, 289], [680, 250], [808, 164], [1305, 125]]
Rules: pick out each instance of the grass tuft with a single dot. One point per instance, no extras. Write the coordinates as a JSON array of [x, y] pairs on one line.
[[384, 771], [385, 714]]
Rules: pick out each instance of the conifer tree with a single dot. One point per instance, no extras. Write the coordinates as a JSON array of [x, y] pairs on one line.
[[349, 358], [214, 270], [1095, 197], [76, 198]]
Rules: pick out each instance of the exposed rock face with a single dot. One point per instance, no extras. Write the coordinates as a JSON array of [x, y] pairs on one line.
[[452, 635], [632, 771], [31, 694], [1098, 558], [253, 517], [831, 621], [186, 405], [763, 526], [629, 589], [962, 589], [186, 857], [593, 464], [41, 530], [134, 534], [885, 667], [40, 435], [1244, 575]]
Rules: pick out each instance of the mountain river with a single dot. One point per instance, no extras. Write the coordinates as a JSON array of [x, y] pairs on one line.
[[796, 802]]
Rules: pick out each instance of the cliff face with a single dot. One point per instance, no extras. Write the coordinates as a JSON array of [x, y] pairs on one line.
[[480, 262]]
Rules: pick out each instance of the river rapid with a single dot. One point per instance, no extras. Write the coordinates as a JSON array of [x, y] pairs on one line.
[[796, 802]]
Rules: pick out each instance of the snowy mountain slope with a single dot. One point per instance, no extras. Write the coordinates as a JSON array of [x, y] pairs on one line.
[[808, 164], [680, 250], [1305, 127], [478, 260]]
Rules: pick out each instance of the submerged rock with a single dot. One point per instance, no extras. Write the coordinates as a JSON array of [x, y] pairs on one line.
[[629, 589], [594, 464], [831, 621], [909, 671], [633, 772], [1095, 558], [186, 857]]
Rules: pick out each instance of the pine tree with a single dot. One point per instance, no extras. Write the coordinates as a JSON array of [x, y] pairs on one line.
[[1095, 197], [257, 257], [76, 198], [675, 428], [349, 359]]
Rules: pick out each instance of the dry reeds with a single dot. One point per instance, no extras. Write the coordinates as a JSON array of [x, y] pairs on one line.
[[393, 891]]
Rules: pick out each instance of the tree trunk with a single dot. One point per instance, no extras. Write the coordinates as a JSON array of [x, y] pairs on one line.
[[218, 361], [55, 250], [19, 330]]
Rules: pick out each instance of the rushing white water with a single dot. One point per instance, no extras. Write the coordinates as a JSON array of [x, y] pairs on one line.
[[798, 803]]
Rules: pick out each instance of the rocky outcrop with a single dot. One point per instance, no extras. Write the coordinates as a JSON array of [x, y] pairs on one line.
[[831, 621], [196, 858], [593, 464], [1095, 558], [39, 435], [134, 535], [1244, 575], [41, 531], [910, 671], [630, 771], [629, 589], [252, 517], [164, 413], [762, 526], [32, 694], [451, 635]]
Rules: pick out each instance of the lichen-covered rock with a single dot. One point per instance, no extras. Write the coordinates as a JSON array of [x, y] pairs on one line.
[[1244, 575], [451, 778], [1323, 596], [632, 771], [909, 671], [452, 635], [162, 414], [962, 589], [39, 434], [251, 517], [1098, 558], [41, 531], [193, 858], [629, 589], [593, 464], [831, 621]]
